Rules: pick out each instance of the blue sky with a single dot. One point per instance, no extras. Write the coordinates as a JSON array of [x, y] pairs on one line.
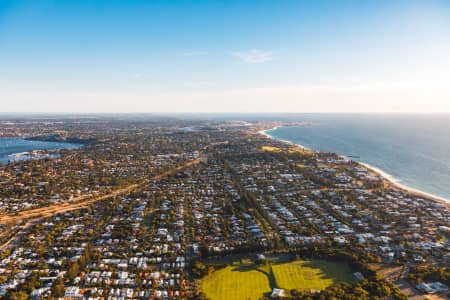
[[135, 56]]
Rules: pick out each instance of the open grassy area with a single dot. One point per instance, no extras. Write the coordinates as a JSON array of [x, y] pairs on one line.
[[236, 282], [251, 281], [315, 275], [290, 150]]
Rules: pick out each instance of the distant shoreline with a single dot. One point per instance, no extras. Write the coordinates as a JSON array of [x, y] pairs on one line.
[[33, 152], [59, 139], [264, 132], [391, 179]]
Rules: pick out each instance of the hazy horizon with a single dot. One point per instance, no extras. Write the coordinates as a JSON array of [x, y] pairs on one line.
[[250, 57]]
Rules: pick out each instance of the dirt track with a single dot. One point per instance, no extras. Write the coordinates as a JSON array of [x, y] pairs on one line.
[[76, 203], [32, 216]]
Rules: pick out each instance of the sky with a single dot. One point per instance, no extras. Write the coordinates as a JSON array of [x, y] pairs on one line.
[[224, 56]]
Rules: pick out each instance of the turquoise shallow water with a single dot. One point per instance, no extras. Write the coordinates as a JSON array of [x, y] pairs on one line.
[[415, 149], [10, 146]]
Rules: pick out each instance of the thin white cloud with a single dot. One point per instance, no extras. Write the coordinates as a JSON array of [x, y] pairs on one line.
[[192, 53], [254, 56]]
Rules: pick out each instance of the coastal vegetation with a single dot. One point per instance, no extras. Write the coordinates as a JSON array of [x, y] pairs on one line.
[[290, 150]]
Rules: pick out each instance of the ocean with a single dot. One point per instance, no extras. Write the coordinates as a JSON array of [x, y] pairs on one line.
[[414, 149], [11, 148]]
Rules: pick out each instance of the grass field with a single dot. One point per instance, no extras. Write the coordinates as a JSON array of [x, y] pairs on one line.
[[315, 275], [303, 151], [235, 282], [250, 281]]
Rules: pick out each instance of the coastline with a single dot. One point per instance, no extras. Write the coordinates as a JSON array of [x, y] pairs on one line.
[[264, 133], [386, 176], [410, 190], [58, 139]]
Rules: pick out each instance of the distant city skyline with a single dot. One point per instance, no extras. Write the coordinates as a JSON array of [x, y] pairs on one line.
[[232, 56]]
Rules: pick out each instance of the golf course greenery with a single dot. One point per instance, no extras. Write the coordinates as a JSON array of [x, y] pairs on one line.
[[246, 279]]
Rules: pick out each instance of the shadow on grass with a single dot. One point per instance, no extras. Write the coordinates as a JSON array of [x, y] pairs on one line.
[[244, 268], [270, 276], [336, 271], [310, 269], [266, 270]]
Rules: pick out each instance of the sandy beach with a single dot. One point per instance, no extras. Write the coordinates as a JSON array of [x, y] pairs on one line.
[[412, 191], [392, 180], [264, 133]]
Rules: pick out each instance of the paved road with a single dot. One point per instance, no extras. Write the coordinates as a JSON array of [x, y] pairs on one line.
[[33, 216], [409, 290]]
